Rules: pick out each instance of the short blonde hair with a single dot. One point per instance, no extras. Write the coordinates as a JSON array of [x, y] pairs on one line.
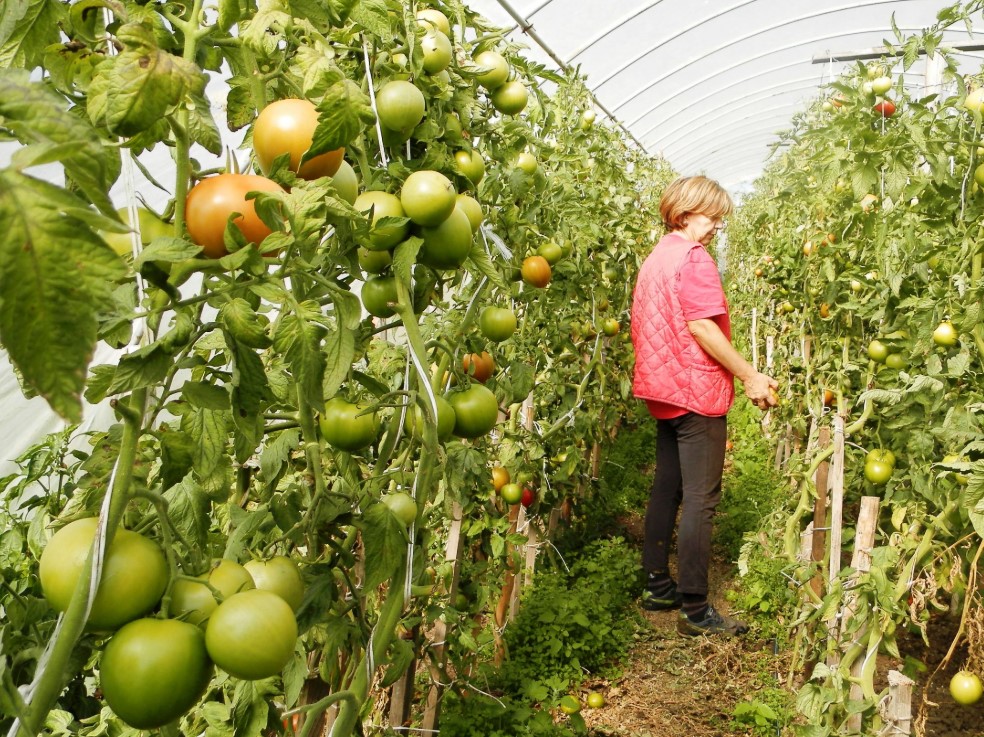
[[693, 195]]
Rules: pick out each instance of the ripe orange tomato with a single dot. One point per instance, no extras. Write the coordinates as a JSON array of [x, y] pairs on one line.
[[536, 271], [483, 364], [213, 200], [287, 127]]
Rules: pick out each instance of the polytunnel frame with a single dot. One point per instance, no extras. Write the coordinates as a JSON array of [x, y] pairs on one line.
[[525, 24]]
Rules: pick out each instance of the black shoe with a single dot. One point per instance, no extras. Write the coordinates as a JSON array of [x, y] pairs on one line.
[[668, 599], [713, 623]]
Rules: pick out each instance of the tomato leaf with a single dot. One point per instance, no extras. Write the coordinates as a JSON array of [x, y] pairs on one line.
[[250, 393], [230, 12], [205, 396], [400, 656], [339, 352], [39, 118], [144, 367], [242, 322], [973, 497], [201, 125], [484, 264], [27, 28], [54, 274], [208, 429], [132, 91], [298, 338], [373, 15], [385, 540], [187, 509], [342, 115], [276, 453]]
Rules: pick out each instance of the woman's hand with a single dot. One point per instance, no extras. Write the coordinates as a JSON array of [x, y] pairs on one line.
[[761, 390]]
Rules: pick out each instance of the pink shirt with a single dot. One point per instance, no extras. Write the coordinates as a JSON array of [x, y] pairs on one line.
[[701, 296]]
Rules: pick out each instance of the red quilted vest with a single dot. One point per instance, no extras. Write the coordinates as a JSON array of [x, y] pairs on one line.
[[670, 365]]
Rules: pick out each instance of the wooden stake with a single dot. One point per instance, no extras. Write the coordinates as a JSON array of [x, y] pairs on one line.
[[898, 719], [864, 540], [438, 659], [820, 513], [806, 544], [755, 343], [836, 528]]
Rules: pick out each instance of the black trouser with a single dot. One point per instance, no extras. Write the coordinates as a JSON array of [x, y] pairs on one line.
[[689, 463]]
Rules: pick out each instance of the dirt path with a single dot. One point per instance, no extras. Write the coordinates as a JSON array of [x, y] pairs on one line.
[[675, 686]]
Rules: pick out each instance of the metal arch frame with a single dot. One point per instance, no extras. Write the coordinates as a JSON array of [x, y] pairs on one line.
[[691, 120], [759, 152], [677, 34], [747, 126], [711, 94], [730, 170], [736, 162], [753, 131], [642, 11], [742, 62]]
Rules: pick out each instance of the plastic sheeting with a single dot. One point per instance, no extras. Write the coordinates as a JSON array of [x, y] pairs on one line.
[[708, 84]]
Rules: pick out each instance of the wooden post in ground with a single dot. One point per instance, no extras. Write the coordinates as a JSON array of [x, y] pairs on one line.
[[836, 526], [505, 595], [864, 541], [401, 692], [438, 655], [755, 343], [820, 480], [898, 716]]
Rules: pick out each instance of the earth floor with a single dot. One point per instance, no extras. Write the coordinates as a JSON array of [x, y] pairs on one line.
[[675, 686]]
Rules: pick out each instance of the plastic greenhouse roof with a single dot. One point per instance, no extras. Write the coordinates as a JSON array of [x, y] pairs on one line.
[[709, 84]]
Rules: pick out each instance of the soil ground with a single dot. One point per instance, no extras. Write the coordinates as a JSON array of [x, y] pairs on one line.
[[674, 686]]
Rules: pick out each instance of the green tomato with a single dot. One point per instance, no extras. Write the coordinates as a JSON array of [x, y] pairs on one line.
[[877, 351], [279, 575], [595, 700], [511, 493], [153, 671], [134, 573], [445, 420], [475, 410], [151, 227], [895, 361], [884, 455], [946, 335], [403, 506], [497, 323], [966, 688], [252, 635], [347, 426], [569, 704], [877, 472]]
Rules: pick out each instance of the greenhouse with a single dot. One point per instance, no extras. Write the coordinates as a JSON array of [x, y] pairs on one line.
[[493, 369]]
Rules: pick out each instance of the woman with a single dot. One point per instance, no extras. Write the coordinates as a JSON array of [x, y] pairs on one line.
[[685, 369]]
